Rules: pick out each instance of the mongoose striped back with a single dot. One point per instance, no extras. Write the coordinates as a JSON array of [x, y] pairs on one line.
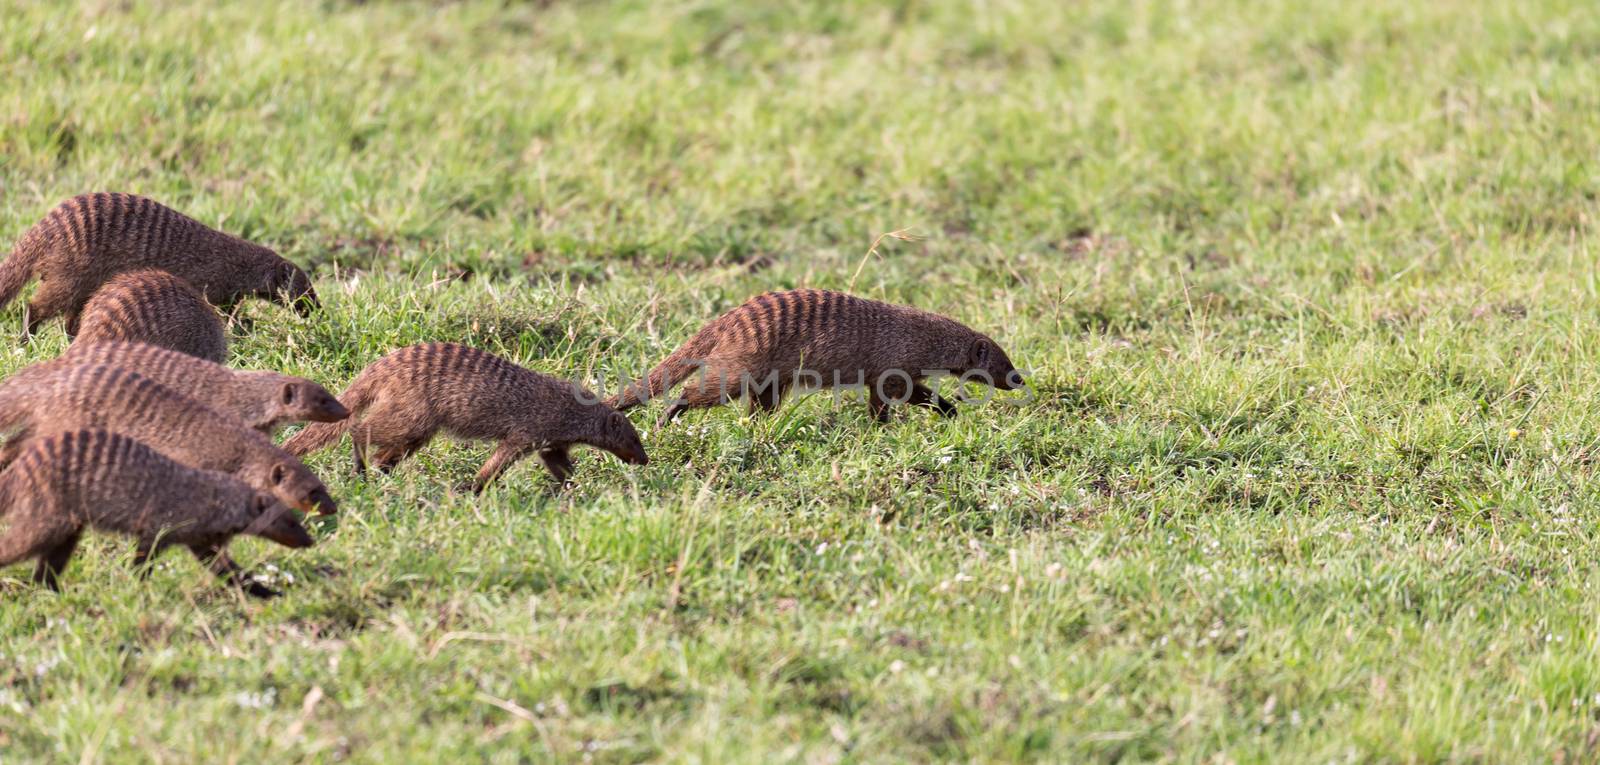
[[87, 239], [100, 465], [399, 402], [66, 482], [157, 308], [755, 349], [127, 402], [263, 400]]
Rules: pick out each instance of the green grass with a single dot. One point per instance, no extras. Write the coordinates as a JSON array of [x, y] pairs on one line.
[[1309, 290]]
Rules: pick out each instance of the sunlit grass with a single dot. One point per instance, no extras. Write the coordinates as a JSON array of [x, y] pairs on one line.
[[1308, 291]]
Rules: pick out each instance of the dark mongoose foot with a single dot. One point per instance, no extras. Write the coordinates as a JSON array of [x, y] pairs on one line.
[[259, 590]]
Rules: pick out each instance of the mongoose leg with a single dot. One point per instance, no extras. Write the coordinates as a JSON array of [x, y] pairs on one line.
[[22, 541], [54, 560], [703, 395], [765, 399], [12, 448], [878, 406], [216, 559], [922, 395], [887, 390], [51, 299], [31, 322], [358, 455], [388, 457], [144, 554], [395, 433], [893, 389], [72, 323], [507, 453], [558, 460]]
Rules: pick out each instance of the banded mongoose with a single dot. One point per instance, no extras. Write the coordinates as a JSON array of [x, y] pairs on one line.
[[62, 483], [156, 308], [90, 238], [780, 341], [400, 401], [88, 396], [263, 400]]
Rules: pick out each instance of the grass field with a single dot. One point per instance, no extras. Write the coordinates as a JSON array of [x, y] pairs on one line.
[[1308, 290]]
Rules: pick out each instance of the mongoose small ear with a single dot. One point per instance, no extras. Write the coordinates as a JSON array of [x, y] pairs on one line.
[[980, 353], [278, 474], [288, 393]]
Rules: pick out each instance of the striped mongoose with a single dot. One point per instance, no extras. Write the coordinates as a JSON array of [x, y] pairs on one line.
[[400, 401], [263, 400], [88, 396], [156, 308], [802, 339], [62, 483], [90, 238]]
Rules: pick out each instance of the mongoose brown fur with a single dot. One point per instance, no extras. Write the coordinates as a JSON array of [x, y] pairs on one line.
[[90, 238], [762, 349], [116, 399], [157, 308], [400, 401], [263, 400], [66, 482]]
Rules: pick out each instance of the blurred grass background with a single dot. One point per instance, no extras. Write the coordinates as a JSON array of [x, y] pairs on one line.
[[1308, 289]]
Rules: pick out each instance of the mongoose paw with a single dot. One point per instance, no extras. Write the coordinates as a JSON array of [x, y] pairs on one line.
[[259, 590]]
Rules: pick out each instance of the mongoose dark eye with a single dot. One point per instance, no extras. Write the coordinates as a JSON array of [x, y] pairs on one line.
[[288, 394], [278, 474]]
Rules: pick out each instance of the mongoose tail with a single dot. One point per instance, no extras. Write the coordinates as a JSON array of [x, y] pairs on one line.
[[17, 269], [322, 433], [671, 371]]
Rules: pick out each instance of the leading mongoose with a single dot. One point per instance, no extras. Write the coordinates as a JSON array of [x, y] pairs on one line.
[[157, 308], [400, 401], [180, 427], [64, 482], [90, 238], [263, 400], [779, 341]]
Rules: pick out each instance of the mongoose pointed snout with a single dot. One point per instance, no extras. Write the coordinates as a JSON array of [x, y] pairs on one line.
[[307, 303], [277, 523], [310, 402], [1013, 381], [328, 411], [319, 502]]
